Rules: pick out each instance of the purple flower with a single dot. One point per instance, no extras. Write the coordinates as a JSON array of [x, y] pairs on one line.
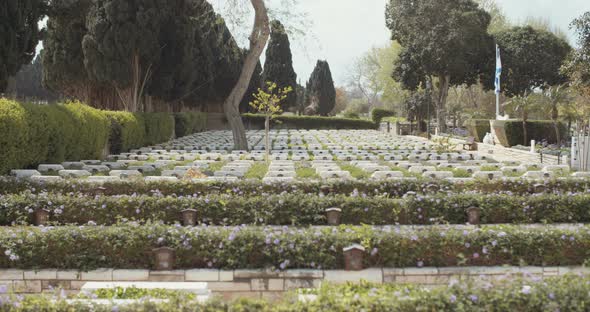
[[453, 298], [374, 251], [277, 241], [473, 298], [475, 255], [526, 289], [420, 264]]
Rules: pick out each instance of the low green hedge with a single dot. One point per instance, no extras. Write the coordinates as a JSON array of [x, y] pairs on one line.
[[242, 247], [128, 131], [478, 128], [392, 189], [511, 132], [564, 293], [32, 134], [189, 123], [378, 114], [310, 122], [296, 209], [159, 127]]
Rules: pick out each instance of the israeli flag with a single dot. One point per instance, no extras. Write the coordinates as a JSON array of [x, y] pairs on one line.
[[498, 69]]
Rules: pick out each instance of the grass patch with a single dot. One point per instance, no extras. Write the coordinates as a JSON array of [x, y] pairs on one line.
[[355, 171], [304, 172], [462, 173], [257, 171], [489, 168], [216, 166]]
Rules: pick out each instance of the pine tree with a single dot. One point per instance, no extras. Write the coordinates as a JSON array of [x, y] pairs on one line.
[[278, 67], [19, 35], [320, 94]]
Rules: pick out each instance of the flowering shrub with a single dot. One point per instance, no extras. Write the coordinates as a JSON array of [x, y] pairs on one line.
[[569, 293], [295, 208], [129, 246], [10, 185]]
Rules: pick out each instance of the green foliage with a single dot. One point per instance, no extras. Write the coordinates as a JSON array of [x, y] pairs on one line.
[[159, 127], [378, 114], [36, 134], [320, 94], [526, 62], [355, 171], [130, 246], [128, 131], [564, 293], [20, 34], [478, 128], [311, 122], [189, 123], [511, 131], [306, 173], [297, 208], [257, 171], [137, 293], [278, 66], [455, 45]]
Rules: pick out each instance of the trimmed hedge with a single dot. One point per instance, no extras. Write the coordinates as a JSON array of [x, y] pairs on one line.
[[189, 123], [564, 293], [310, 122], [159, 127], [378, 114], [296, 209], [478, 128], [242, 247], [128, 131], [511, 134], [32, 134], [392, 189]]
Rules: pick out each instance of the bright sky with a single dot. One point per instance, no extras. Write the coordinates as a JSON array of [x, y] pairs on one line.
[[343, 29]]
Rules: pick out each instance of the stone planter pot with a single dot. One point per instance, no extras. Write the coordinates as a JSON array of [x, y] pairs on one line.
[[333, 215], [353, 257], [165, 258], [189, 217], [473, 215], [40, 217], [432, 188], [325, 189]]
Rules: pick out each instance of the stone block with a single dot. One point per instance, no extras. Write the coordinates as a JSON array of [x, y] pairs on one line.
[[131, 275], [40, 275], [11, 274], [27, 287], [167, 276], [68, 275], [301, 283], [229, 286], [97, 275], [339, 276], [201, 275]]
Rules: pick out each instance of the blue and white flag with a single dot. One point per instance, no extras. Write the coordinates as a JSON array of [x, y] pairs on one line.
[[498, 69]]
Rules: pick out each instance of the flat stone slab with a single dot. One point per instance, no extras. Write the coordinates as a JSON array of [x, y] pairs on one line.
[[24, 173], [74, 173], [46, 168], [123, 174], [200, 288]]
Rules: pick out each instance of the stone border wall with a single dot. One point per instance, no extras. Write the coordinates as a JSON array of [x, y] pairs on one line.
[[261, 283]]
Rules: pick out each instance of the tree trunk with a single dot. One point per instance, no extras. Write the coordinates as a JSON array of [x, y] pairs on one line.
[[554, 117], [525, 116], [258, 40], [443, 93], [11, 87], [267, 137]]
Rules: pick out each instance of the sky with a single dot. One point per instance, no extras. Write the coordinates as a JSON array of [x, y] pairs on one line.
[[342, 30]]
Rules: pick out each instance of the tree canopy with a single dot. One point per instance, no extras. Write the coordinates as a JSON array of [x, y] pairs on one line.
[[19, 35], [446, 40], [531, 59], [278, 66], [320, 94]]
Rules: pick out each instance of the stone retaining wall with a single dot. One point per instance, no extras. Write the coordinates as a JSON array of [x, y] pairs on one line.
[[260, 283]]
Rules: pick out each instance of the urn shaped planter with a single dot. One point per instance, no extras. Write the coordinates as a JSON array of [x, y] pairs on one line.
[[473, 215], [165, 258], [333, 215], [353, 257], [189, 217], [40, 217]]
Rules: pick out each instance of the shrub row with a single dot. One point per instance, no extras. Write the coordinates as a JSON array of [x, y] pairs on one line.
[[9, 185], [567, 293], [309, 122], [478, 128], [189, 123], [33, 134], [296, 209], [378, 114], [511, 132], [243, 247]]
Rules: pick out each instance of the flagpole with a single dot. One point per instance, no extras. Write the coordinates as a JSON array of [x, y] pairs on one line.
[[498, 79]]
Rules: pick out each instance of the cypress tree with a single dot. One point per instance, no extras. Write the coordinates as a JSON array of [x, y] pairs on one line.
[[320, 94], [19, 35], [278, 67]]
